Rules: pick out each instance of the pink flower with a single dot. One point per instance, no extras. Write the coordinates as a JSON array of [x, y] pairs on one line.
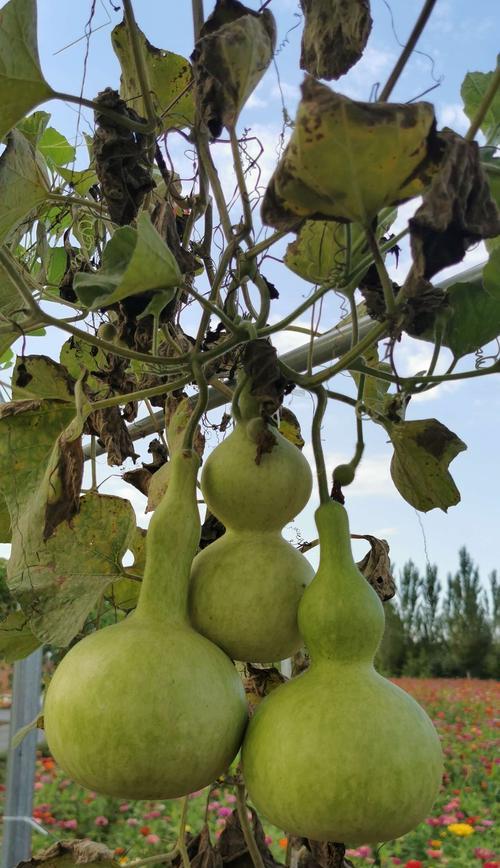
[[434, 854], [70, 824], [152, 839], [364, 852], [231, 799], [38, 786], [396, 860], [101, 821], [124, 807], [151, 815], [212, 806], [487, 823], [433, 821], [268, 840], [132, 821], [224, 812], [483, 853]]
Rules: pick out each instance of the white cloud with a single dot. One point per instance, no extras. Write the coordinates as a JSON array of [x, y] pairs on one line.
[[452, 115]]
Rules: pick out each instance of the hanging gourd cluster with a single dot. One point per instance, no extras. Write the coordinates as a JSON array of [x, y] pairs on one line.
[[153, 707]]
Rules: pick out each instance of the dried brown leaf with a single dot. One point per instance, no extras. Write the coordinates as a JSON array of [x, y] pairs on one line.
[[109, 426], [64, 854], [457, 210], [376, 567], [233, 848], [66, 484]]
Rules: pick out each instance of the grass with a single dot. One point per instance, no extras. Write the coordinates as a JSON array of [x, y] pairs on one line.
[[460, 833]]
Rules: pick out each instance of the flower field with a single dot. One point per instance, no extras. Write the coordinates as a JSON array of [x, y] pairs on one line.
[[460, 832]]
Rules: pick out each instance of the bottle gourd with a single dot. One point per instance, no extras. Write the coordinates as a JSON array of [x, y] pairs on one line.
[[339, 753], [246, 586], [148, 708]]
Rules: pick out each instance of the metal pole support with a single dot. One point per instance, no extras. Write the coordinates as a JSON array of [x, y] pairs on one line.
[[17, 821]]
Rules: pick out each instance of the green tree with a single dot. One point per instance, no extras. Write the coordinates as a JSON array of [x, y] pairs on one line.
[[469, 636]]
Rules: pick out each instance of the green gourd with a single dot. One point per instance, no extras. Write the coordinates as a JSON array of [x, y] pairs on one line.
[[148, 708], [339, 753], [246, 586]]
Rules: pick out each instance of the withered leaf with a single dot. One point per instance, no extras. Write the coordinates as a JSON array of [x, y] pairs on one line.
[[423, 449], [235, 48], [121, 159], [233, 848], [201, 851], [140, 478], [268, 385], [259, 682], [320, 854], [211, 530], [457, 210], [109, 426], [334, 36], [65, 485], [376, 567], [65, 854]]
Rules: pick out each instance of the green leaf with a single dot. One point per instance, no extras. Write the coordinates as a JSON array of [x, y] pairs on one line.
[[34, 126], [158, 303], [22, 85], [347, 160], [80, 181], [170, 77], [423, 449], [134, 261], [57, 579], [16, 639], [474, 86], [41, 377], [13, 311], [58, 260], [24, 183], [375, 391], [78, 356], [55, 148], [5, 531], [475, 317]]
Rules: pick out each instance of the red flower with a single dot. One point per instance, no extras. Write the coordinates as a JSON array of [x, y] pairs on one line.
[[414, 863], [145, 830]]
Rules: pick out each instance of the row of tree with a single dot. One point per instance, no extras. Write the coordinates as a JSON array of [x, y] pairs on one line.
[[430, 630], [439, 631]]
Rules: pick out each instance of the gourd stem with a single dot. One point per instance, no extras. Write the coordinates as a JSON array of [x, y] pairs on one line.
[[241, 805], [334, 535], [200, 406], [235, 404], [181, 842], [319, 458]]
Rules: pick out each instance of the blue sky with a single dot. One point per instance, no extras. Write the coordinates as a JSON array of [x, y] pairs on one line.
[[460, 37]]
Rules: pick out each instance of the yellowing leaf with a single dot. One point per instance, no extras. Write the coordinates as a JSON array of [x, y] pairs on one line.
[[135, 261], [41, 377], [170, 77], [17, 641], [24, 182], [57, 579], [319, 253], [22, 85], [347, 160], [423, 449]]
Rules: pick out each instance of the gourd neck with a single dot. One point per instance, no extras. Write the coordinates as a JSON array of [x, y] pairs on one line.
[[171, 544], [334, 537]]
